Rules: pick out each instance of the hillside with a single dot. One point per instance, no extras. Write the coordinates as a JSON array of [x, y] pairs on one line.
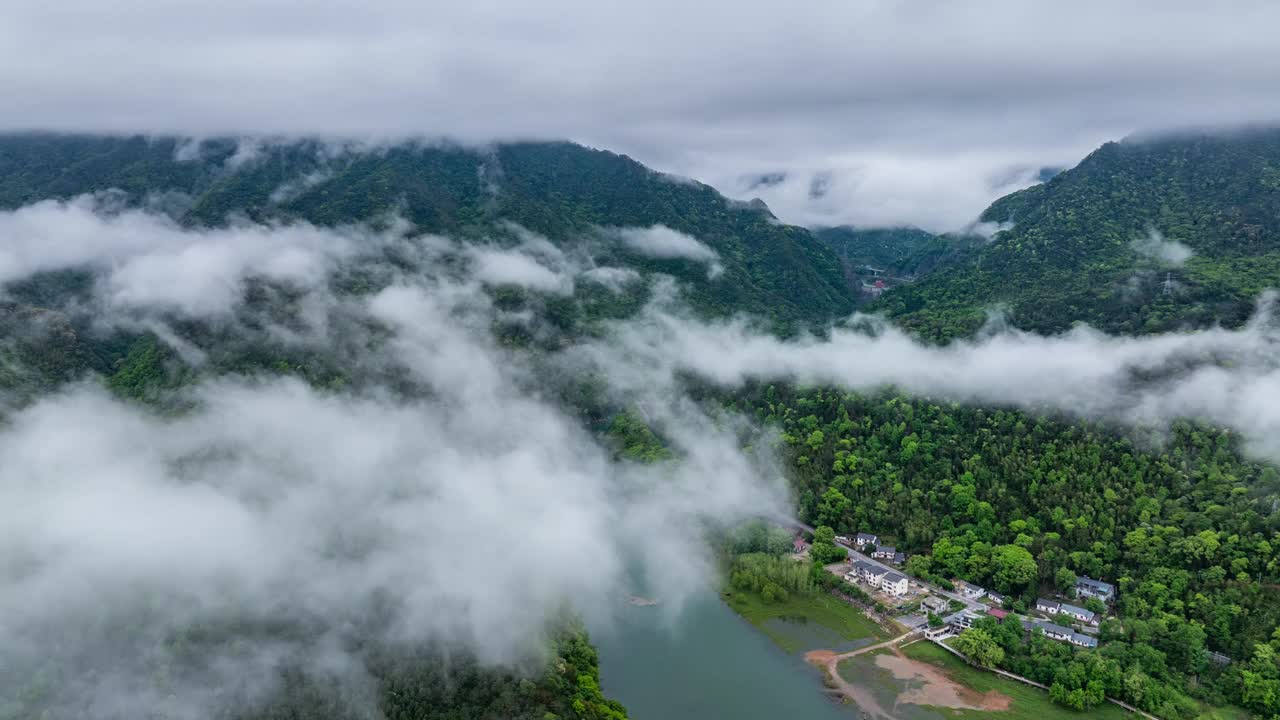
[[561, 190], [1096, 243]]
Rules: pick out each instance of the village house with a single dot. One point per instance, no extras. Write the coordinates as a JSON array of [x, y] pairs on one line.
[[1051, 631], [1088, 587], [941, 632], [1048, 606], [1061, 634], [1078, 613], [934, 604], [1053, 607], [865, 571], [884, 552], [864, 539], [969, 590], [1082, 640], [995, 597], [894, 583], [998, 614], [961, 621], [886, 581], [799, 546]]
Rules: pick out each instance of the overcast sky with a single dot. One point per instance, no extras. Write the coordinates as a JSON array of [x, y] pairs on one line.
[[874, 111]]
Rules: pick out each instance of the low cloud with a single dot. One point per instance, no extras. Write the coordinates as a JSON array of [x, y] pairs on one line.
[[614, 278], [497, 267], [145, 260], [1225, 377], [660, 241], [1165, 253]]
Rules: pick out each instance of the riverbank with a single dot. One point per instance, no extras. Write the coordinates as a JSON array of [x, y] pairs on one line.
[[806, 622]]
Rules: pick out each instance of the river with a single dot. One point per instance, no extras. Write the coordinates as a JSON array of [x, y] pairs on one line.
[[706, 663]]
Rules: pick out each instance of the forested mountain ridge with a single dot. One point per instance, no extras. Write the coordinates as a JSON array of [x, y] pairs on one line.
[[1096, 243], [558, 189]]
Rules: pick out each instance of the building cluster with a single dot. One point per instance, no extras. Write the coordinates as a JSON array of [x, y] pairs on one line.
[[1053, 607], [870, 544], [882, 579]]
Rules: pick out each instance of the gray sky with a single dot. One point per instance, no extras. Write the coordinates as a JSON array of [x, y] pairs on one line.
[[907, 112]]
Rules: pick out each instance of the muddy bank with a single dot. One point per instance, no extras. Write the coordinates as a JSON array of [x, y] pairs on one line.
[[930, 686]]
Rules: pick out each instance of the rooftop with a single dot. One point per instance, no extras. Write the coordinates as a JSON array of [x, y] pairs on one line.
[[1084, 640], [1090, 582], [1073, 610]]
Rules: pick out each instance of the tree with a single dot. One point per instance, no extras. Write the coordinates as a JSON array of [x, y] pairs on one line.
[[833, 507], [1015, 568], [1064, 579], [918, 565], [981, 649]]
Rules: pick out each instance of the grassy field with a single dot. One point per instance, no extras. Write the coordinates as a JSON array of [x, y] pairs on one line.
[[1028, 703], [844, 621], [1223, 713]]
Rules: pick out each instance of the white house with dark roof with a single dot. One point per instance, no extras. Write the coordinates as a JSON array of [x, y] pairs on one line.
[[1082, 640], [864, 539], [1088, 587], [866, 572], [884, 552], [1051, 631], [1047, 606], [1077, 613], [969, 590], [1060, 633], [894, 583], [877, 577]]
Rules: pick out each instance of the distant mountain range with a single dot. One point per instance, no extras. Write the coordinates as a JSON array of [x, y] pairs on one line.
[[561, 190]]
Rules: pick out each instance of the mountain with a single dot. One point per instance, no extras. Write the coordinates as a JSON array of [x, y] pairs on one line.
[[564, 191], [1098, 242]]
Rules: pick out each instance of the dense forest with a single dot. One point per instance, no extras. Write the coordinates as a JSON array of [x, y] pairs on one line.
[[1021, 504], [1074, 248]]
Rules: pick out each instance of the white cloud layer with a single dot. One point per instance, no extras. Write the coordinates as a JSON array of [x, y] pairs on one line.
[[917, 113], [1225, 377], [1166, 253], [660, 241], [148, 261]]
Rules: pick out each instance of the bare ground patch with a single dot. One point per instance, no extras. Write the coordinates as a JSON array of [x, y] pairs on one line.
[[936, 688]]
